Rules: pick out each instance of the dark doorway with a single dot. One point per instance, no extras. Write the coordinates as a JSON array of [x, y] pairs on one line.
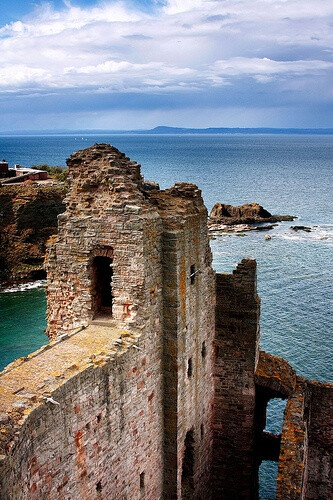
[[188, 467], [102, 282]]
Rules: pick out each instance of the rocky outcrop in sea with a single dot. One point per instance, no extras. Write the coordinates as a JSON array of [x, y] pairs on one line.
[[250, 216]]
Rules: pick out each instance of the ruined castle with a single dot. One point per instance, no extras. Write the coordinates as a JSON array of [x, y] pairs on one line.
[[153, 385]]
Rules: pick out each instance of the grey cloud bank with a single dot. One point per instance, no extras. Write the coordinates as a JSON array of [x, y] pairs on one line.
[[192, 62]]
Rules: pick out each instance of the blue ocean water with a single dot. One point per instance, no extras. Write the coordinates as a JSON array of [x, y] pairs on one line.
[[22, 323], [287, 174]]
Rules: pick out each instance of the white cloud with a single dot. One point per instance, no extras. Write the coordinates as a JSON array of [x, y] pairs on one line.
[[47, 21], [264, 69], [17, 75], [182, 45], [179, 6]]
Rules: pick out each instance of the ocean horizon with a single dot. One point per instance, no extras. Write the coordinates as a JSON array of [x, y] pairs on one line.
[[166, 130]]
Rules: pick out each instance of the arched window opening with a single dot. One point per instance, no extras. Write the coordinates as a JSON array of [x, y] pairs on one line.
[[269, 446], [189, 368], [102, 285]]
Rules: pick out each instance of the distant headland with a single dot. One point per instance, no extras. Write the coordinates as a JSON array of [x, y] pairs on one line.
[[178, 130]]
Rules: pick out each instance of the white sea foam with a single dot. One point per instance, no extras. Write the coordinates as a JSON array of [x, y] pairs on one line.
[[22, 287], [318, 233]]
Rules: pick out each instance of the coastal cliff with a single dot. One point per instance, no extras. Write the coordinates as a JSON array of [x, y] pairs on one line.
[[28, 217]]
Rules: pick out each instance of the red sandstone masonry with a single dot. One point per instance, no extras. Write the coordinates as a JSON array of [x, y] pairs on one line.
[[107, 430], [236, 346], [320, 440], [274, 378], [293, 447], [108, 422], [106, 212], [188, 326], [305, 463], [275, 375]]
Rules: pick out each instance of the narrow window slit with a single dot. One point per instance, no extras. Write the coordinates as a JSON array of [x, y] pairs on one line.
[[190, 368], [192, 274], [142, 482], [203, 350]]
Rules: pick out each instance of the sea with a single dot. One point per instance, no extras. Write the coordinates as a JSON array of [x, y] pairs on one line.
[[286, 174]]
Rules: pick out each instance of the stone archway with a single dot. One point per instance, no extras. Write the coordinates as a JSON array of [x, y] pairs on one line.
[[101, 278]]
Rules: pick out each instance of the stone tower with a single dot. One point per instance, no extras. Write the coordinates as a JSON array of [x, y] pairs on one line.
[[106, 261], [131, 256]]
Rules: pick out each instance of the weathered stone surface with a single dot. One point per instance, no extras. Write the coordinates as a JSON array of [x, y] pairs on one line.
[[162, 286], [276, 375], [274, 378], [293, 447], [103, 427], [306, 456], [319, 463], [236, 354]]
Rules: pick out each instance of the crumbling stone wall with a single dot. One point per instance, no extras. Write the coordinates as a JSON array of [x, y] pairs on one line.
[[106, 214], [319, 460], [162, 281], [101, 435], [236, 354], [306, 456], [188, 309], [274, 378], [293, 447]]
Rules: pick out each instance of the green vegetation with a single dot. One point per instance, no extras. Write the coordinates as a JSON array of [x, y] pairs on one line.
[[57, 173]]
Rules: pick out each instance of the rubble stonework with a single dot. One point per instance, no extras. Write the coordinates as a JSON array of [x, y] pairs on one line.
[[152, 385]]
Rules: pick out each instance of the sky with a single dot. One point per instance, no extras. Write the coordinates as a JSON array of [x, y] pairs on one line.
[[136, 64]]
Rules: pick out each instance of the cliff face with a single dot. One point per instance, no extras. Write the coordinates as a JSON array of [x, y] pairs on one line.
[[28, 216]]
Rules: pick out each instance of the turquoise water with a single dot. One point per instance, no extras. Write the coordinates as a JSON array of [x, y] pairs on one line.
[[22, 324], [287, 175]]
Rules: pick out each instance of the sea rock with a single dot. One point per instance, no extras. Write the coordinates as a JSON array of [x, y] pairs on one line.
[[301, 228], [239, 228], [249, 213]]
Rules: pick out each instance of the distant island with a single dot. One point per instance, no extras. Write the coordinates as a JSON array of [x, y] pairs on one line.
[[178, 130]]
